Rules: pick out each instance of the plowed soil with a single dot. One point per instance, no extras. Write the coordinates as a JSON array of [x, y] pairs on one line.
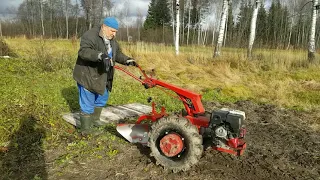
[[282, 144]]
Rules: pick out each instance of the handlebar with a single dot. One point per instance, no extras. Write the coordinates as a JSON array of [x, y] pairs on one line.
[[191, 100], [147, 82]]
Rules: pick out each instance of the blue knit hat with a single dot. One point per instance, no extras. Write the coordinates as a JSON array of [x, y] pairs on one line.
[[111, 22]]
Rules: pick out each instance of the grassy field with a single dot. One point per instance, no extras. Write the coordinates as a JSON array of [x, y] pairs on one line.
[[37, 88], [39, 84]]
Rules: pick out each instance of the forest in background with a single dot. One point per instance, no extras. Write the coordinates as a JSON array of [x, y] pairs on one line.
[[281, 24]]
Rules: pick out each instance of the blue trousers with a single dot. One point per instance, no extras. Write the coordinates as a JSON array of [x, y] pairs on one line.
[[89, 100]]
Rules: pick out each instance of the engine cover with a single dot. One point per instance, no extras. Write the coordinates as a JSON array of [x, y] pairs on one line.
[[233, 119]]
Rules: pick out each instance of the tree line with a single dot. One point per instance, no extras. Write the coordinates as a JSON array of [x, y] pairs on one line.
[[283, 24]]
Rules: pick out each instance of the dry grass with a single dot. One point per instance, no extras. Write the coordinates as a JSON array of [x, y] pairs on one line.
[[272, 76]]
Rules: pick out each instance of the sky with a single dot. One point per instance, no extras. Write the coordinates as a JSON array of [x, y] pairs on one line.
[[133, 5], [4, 4]]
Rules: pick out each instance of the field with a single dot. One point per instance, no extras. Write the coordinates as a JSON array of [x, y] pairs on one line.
[[278, 90]]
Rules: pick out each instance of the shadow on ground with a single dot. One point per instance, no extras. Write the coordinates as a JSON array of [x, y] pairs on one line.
[[145, 150], [25, 158], [70, 94]]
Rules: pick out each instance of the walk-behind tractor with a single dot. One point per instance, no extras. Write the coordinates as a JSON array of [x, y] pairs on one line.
[[177, 141]]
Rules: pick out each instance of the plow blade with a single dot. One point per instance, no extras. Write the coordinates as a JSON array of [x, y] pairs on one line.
[[134, 133]]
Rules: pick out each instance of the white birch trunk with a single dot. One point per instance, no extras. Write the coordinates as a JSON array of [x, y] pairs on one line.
[[67, 20], [317, 41], [225, 32], [0, 29], [128, 36], [41, 16], [253, 28], [290, 34], [163, 33], [312, 46], [177, 28], [127, 26], [182, 19], [224, 14], [213, 33], [90, 14], [189, 13], [77, 19], [204, 37], [138, 32], [51, 19], [199, 27], [173, 23]]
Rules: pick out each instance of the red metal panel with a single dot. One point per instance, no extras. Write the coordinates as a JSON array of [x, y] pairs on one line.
[[200, 121], [194, 97]]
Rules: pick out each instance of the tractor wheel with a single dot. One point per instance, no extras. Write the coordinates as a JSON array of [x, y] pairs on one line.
[[175, 143]]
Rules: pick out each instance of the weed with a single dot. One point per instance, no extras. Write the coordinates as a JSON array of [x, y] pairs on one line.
[[111, 152]]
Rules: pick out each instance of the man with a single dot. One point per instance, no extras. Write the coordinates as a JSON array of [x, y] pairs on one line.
[[94, 71]]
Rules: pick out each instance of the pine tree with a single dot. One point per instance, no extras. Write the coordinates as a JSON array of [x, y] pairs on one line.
[[243, 23], [158, 14], [274, 22], [162, 13], [194, 12], [230, 27], [150, 20], [261, 36]]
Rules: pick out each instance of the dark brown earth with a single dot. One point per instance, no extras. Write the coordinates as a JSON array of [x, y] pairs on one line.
[[282, 144]]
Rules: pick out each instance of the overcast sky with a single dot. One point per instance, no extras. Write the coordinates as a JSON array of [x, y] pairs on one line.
[[133, 5], [4, 4]]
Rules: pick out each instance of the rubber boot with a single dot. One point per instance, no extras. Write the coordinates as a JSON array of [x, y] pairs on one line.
[[86, 125], [96, 117]]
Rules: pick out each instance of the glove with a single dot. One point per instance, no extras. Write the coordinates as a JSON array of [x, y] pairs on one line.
[[131, 62], [107, 61]]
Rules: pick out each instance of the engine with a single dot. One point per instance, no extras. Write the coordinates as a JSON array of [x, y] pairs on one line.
[[226, 129], [227, 123]]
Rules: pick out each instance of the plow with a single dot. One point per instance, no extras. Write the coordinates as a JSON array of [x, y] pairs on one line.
[[178, 141]]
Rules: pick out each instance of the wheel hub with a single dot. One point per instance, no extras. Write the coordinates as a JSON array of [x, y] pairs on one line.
[[171, 144]]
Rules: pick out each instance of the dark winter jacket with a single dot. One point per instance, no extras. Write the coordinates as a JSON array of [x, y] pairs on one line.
[[88, 71]]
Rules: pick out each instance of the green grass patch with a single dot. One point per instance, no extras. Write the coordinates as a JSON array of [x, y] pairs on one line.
[[308, 97], [227, 94]]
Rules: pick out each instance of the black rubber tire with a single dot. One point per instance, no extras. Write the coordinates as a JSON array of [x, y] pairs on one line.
[[192, 141]]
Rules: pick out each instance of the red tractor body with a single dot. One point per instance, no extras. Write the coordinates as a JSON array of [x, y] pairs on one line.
[[171, 138]]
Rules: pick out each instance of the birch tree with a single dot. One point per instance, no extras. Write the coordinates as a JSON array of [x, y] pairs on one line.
[[253, 28], [189, 20], [312, 46], [139, 23], [88, 8], [177, 27], [77, 18], [67, 2], [127, 20], [173, 22], [222, 26], [41, 17], [0, 29]]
